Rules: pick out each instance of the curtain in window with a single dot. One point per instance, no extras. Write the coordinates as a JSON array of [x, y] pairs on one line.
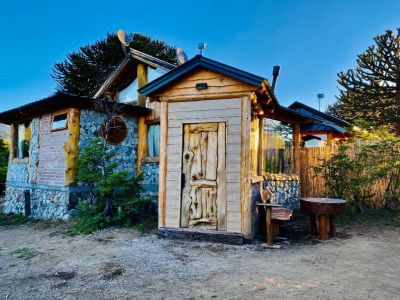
[[153, 140]]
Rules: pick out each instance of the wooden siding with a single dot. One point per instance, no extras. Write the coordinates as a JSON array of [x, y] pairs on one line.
[[218, 87], [179, 113]]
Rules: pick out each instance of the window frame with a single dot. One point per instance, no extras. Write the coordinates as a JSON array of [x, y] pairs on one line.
[[148, 158], [14, 143], [66, 112]]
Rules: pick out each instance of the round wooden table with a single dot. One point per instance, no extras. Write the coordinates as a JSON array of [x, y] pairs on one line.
[[323, 207]]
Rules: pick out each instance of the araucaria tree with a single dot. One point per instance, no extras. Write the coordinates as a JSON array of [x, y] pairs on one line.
[[371, 91], [83, 71]]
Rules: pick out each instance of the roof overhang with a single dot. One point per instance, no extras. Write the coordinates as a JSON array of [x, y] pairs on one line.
[[132, 57], [202, 62], [60, 101]]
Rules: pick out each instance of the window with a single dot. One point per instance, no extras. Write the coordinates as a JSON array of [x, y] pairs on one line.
[[116, 131], [153, 140], [277, 147], [59, 122], [129, 94], [22, 138]]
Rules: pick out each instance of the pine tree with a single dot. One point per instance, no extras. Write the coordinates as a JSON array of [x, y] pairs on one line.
[[84, 71], [371, 91]]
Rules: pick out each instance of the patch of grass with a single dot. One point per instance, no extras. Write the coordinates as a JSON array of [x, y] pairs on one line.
[[12, 219], [25, 253], [379, 217]]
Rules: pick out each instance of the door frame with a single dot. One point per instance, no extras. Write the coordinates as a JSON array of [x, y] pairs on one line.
[[221, 201]]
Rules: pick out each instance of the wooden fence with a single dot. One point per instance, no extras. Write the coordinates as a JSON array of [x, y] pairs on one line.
[[313, 184]]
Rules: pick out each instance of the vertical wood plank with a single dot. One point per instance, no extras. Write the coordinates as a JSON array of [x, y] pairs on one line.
[[163, 164], [142, 143], [72, 147], [141, 70], [221, 177], [245, 184], [187, 157], [260, 145]]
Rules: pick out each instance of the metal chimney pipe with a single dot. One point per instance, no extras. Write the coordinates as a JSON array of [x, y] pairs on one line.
[[275, 73]]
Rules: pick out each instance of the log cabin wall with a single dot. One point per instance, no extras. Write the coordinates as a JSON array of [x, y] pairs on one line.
[[221, 110], [224, 100]]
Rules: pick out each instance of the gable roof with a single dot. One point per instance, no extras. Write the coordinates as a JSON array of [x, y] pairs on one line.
[[200, 61], [126, 62], [316, 114], [60, 101]]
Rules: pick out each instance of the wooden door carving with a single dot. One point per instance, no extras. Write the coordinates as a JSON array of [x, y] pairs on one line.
[[203, 176]]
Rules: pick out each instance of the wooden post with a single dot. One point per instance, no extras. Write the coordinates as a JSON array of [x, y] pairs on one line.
[[329, 139], [142, 77], [142, 142], [260, 146], [323, 227], [72, 147], [270, 238], [296, 148], [332, 225], [245, 184], [162, 190]]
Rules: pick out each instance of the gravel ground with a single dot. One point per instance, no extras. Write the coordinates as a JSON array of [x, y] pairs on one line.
[[363, 263]]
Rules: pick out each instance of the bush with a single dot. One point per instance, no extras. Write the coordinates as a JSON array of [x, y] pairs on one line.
[[115, 194], [362, 164]]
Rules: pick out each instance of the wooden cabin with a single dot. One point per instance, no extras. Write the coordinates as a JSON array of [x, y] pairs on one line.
[[327, 129], [211, 156]]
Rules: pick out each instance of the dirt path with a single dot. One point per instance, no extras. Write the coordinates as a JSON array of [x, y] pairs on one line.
[[120, 264]]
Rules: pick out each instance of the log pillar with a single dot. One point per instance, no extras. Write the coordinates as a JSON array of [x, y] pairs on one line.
[[296, 147], [260, 146], [142, 76]]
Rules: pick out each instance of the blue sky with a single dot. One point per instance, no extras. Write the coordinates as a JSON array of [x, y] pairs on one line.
[[311, 40]]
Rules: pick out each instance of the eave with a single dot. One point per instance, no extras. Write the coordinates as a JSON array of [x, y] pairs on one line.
[[60, 101]]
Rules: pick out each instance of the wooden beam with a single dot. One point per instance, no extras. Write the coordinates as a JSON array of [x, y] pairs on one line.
[[162, 190], [142, 76], [72, 147], [142, 143], [260, 145], [296, 148], [245, 180]]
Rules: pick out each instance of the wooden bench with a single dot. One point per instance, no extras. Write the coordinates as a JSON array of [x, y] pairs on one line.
[[275, 215]]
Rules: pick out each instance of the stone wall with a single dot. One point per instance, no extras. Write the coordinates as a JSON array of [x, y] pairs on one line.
[[91, 122], [284, 189], [47, 201], [150, 178]]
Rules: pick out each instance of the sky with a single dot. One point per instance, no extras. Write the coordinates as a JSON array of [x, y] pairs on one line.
[[311, 40]]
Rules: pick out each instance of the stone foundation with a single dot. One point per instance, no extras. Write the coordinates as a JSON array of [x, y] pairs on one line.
[[46, 202]]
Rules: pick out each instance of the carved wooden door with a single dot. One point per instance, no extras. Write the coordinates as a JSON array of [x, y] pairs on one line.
[[203, 176]]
